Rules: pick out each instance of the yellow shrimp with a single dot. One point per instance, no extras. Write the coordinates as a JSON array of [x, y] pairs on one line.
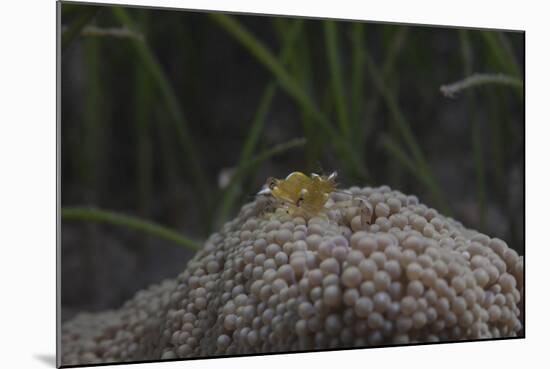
[[307, 195]]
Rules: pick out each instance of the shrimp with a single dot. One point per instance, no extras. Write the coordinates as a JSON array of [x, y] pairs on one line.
[[309, 196]]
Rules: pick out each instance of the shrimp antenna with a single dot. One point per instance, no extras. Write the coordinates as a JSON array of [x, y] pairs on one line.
[[320, 167]]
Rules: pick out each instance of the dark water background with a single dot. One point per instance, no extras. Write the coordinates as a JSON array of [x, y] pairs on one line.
[[121, 150]]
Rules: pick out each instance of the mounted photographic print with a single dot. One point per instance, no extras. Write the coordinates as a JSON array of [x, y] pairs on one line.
[[248, 184]]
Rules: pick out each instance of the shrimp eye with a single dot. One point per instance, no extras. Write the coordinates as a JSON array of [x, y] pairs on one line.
[[271, 183]]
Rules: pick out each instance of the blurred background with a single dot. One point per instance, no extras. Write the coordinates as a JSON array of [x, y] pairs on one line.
[[178, 117]]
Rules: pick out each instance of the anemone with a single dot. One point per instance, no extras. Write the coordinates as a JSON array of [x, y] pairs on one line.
[[278, 282]]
